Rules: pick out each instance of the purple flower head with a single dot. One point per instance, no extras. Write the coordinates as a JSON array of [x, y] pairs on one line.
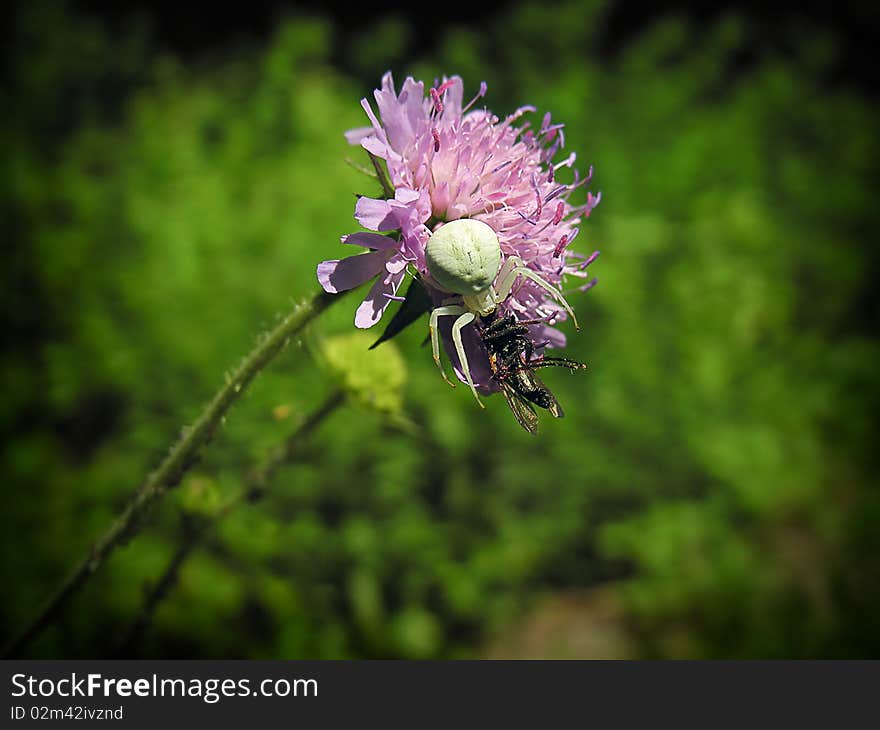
[[446, 162]]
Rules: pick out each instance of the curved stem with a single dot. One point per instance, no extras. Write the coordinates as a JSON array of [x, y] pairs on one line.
[[195, 530], [192, 531], [181, 457], [387, 187]]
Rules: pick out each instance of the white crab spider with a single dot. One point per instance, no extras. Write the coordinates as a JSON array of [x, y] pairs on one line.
[[464, 257]]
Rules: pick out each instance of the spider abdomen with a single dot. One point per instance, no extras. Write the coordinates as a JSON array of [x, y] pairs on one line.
[[464, 256]]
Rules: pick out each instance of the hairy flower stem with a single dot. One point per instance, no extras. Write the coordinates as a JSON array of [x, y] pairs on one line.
[[382, 176], [196, 528], [181, 457]]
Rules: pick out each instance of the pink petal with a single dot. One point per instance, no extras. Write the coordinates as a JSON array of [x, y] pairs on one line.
[[406, 195], [442, 196], [354, 136], [341, 275], [452, 99], [377, 147], [374, 241], [388, 82], [396, 265], [395, 121], [413, 92], [552, 336], [411, 208], [374, 214], [376, 303], [372, 117]]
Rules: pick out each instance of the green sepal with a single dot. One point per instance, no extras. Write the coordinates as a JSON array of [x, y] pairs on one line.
[[415, 304]]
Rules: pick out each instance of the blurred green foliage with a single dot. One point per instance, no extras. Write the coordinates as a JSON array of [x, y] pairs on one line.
[[717, 464]]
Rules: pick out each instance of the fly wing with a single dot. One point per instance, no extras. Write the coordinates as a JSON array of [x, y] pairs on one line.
[[553, 404], [522, 409], [531, 387]]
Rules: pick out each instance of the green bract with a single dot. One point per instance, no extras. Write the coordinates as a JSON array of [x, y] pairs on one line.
[[464, 256], [375, 379]]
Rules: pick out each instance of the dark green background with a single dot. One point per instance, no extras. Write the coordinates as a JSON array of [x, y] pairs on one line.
[[712, 491]]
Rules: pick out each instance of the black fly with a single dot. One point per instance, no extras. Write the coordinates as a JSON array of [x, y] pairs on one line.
[[511, 358]]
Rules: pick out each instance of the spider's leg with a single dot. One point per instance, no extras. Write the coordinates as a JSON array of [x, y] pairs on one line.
[[507, 276], [463, 320], [553, 291], [450, 310], [511, 263], [518, 268]]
